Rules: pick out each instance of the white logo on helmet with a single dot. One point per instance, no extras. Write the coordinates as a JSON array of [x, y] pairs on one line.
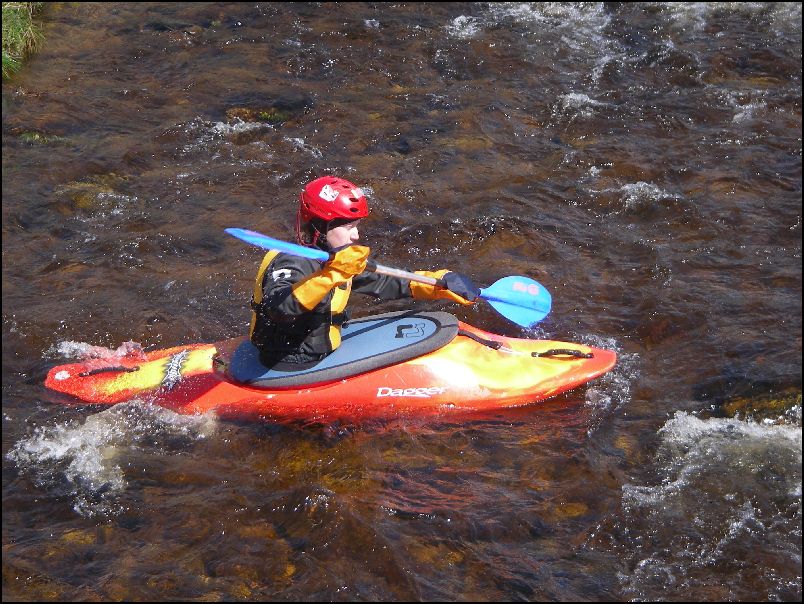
[[328, 194]]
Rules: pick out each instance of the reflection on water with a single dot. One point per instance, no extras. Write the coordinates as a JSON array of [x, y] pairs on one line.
[[642, 161]]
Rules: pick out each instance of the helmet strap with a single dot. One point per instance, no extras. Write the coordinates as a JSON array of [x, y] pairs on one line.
[[320, 232], [299, 228]]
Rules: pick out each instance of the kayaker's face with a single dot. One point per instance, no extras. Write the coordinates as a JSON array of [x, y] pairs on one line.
[[346, 234]]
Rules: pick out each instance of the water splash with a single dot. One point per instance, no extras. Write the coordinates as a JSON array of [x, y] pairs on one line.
[[576, 104], [581, 21], [612, 390], [463, 27], [204, 135], [579, 27], [636, 195], [85, 460], [695, 16], [728, 504], [300, 145], [83, 351], [746, 106]]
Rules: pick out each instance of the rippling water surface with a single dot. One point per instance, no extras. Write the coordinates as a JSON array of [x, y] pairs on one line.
[[641, 160]]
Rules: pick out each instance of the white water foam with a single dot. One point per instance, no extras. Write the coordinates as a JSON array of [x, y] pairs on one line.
[[83, 351], [785, 16], [612, 390], [238, 127], [86, 459], [578, 26], [205, 134], [729, 497], [576, 104], [636, 195], [746, 105], [463, 27], [580, 20], [301, 145]]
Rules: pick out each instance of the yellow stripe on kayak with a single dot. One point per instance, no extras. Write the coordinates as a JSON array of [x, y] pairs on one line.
[[153, 374], [466, 363]]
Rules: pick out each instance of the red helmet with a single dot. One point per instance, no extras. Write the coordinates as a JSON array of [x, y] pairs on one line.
[[331, 198]]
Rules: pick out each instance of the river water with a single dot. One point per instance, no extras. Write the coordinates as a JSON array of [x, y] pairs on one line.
[[641, 160]]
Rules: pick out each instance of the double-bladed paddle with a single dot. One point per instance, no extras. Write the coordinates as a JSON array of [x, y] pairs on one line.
[[519, 299]]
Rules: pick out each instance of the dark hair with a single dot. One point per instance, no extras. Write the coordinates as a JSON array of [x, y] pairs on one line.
[[314, 232]]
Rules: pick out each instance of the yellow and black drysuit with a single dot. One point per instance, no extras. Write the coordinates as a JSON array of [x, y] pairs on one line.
[[299, 304]]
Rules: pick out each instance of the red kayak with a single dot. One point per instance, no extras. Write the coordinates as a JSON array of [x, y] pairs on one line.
[[391, 365]]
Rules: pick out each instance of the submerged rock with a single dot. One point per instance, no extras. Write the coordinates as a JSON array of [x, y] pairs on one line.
[[96, 193], [37, 138], [737, 396], [768, 406], [269, 115]]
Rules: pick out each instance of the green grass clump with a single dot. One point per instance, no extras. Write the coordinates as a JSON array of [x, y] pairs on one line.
[[20, 36]]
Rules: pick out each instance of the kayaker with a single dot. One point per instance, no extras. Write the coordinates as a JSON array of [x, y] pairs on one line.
[[299, 304]]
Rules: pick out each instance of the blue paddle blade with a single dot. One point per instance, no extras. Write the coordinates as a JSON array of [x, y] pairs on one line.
[[519, 299], [269, 243]]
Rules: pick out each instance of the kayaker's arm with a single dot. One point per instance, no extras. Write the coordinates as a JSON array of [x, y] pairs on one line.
[[295, 286], [380, 286], [459, 288], [344, 265]]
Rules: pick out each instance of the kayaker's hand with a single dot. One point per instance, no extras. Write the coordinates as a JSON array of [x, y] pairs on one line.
[[463, 286], [459, 288], [349, 261]]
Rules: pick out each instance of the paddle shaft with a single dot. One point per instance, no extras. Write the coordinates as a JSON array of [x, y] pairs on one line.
[[400, 274]]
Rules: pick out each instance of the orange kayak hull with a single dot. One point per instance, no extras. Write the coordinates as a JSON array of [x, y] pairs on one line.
[[463, 376]]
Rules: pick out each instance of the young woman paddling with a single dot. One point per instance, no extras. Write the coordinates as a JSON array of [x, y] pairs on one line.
[[299, 304]]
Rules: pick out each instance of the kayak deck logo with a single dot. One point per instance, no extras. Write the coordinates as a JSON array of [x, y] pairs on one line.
[[410, 330], [410, 392]]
